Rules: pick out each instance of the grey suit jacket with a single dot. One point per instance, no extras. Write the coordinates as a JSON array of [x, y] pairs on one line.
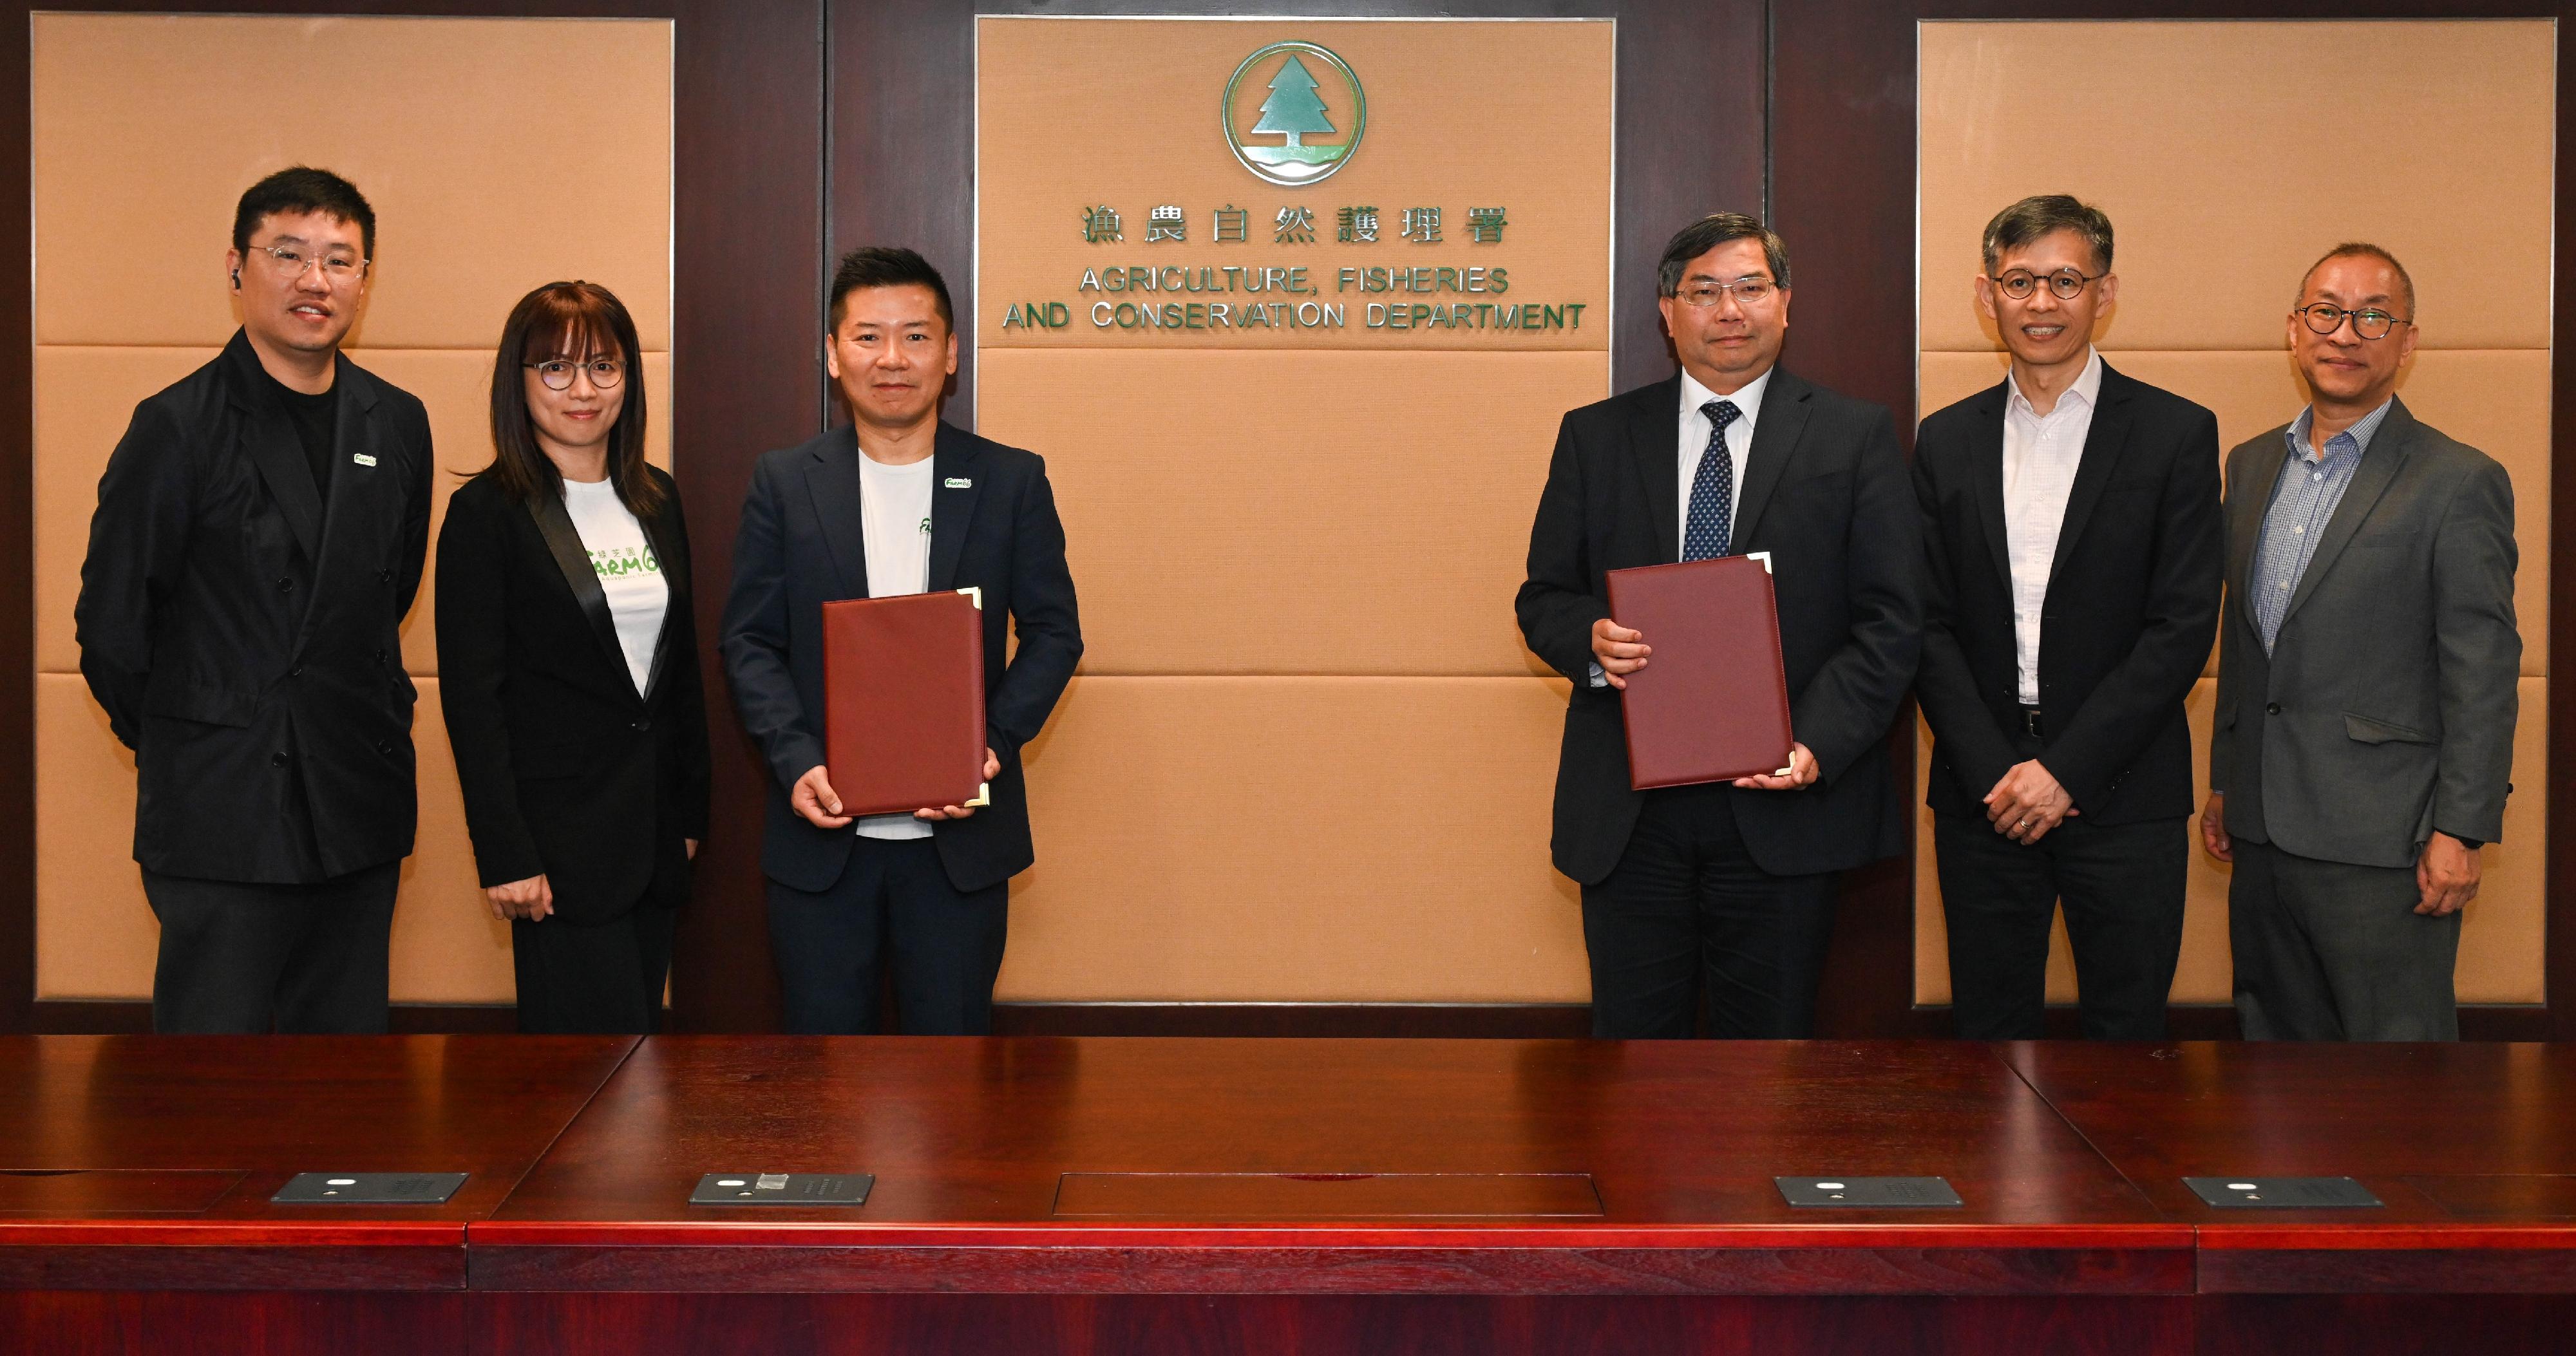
[[2385, 710]]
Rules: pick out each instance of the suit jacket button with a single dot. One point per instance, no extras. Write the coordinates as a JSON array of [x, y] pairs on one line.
[[296, 672], [386, 575], [284, 585], [643, 725], [385, 747], [277, 759], [2271, 708]]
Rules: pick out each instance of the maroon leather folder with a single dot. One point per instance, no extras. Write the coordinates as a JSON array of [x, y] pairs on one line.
[[903, 699], [1712, 703]]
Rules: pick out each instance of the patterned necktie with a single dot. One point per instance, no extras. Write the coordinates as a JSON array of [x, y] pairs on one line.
[[1712, 506]]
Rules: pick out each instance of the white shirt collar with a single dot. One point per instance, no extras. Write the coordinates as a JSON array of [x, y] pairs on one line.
[[2087, 387], [1747, 398]]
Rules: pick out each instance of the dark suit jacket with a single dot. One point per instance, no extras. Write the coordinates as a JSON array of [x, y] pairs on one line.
[[244, 638], [2131, 611], [2386, 708], [1824, 493], [566, 769], [993, 526]]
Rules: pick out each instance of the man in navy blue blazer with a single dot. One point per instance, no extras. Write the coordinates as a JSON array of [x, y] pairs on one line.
[[895, 502]]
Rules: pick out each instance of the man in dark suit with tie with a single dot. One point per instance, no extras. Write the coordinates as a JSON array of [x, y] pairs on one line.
[[2368, 664], [2071, 559], [897, 502], [1726, 888], [259, 536]]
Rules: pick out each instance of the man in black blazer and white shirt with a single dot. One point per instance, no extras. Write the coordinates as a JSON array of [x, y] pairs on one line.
[[1727, 887], [2072, 543], [899, 502], [259, 536]]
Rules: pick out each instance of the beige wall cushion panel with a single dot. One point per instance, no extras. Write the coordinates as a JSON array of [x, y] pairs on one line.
[[1322, 840], [1508, 114], [2494, 400], [1384, 530], [95, 935], [2501, 951], [86, 396], [498, 154], [2204, 143]]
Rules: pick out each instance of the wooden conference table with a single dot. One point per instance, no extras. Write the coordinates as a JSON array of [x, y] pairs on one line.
[[1124, 1194]]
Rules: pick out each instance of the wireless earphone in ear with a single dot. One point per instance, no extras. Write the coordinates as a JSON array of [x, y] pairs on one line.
[[236, 280]]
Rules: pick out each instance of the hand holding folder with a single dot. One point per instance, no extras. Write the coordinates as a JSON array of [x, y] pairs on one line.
[[903, 719], [1705, 694]]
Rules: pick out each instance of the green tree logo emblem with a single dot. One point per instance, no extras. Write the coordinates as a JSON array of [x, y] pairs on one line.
[[1296, 107]]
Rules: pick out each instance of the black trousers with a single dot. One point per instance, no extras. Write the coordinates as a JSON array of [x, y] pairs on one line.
[[2122, 886], [2330, 951], [1686, 914], [602, 978], [946, 944], [243, 959]]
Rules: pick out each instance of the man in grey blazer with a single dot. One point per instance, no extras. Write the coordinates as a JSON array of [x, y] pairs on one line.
[[2366, 668]]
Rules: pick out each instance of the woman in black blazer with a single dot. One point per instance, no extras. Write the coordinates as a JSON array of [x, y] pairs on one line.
[[568, 670]]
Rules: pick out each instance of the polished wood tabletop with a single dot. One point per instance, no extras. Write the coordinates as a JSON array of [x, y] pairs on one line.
[[1472, 1165], [151, 1159], [2471, 1148]]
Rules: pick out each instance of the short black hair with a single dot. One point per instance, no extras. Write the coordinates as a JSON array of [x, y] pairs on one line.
[[2363, 249], [887, 266], [300, 189], [1711, 231], [2047, 214]]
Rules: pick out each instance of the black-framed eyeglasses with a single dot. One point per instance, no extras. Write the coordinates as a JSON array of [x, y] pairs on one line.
[[2369, 322], [557, 373], [2065, 284], [1749, 290]]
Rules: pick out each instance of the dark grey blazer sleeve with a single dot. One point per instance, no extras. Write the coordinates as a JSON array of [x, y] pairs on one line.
[[2479, 651]]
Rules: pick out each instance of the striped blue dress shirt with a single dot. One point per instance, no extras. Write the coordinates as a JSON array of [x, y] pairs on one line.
[[2303, 502]]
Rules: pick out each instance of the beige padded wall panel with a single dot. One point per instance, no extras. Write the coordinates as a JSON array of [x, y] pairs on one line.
[[498, 154], [2206, 147], [2498, 963], [85, 397], [2494, 400], [95, 937], [1309, 839], [1382, 531]]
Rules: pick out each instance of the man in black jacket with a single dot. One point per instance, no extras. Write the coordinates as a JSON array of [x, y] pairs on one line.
[[1734, 886], [259, 536], [2071, 560], [898, 502]]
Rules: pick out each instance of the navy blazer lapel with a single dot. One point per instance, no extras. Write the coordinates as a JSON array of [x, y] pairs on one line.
[[270, 442], [572, 560], [1654, 430], [832, 479], [1986, 476], [2108, 434], [2379, 466], [954, 489], [1775, 444]]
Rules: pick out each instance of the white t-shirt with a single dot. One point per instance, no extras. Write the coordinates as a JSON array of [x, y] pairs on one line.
[[894, 513], [629, 573]]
